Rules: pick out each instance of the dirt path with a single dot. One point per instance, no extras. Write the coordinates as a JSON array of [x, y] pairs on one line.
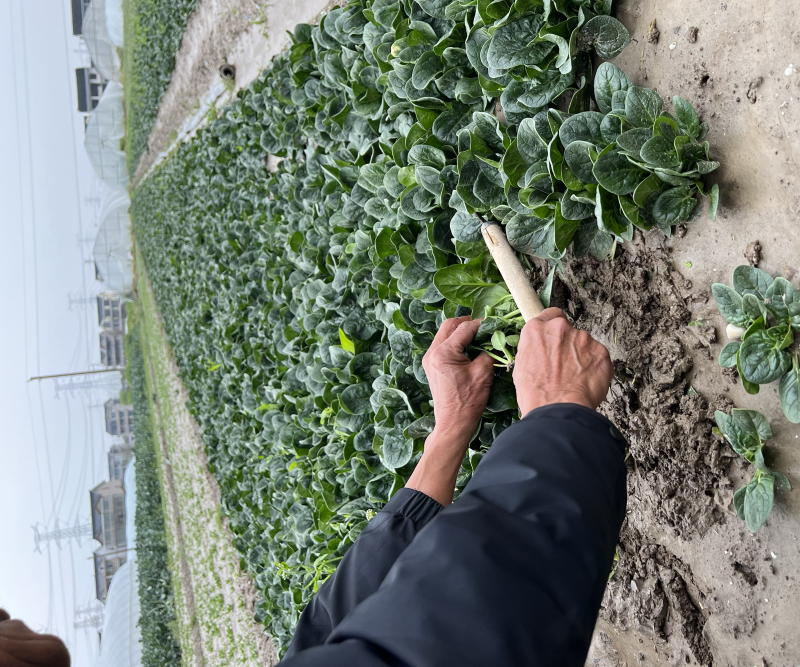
[[244, 33], [696, 587], [218, 602], [187, 587]]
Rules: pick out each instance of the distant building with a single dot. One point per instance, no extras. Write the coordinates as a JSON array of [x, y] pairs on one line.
[[118, 458], [112, 348], [111, 311], [108, 528], [79, 8], [111, 316], [119, 417], [91, 85]]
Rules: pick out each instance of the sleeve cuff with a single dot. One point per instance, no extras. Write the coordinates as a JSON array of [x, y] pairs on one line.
[[413, 505], [580, 414]]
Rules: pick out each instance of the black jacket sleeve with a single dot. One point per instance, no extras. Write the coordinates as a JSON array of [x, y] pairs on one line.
[[364, 566], [514, 571]]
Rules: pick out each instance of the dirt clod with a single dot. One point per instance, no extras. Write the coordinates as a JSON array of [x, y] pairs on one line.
[[639, 307], [752, 253], [653, 33], [691, 34], [751, 89]]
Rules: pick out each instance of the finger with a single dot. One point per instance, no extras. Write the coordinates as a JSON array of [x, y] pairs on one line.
[[483, 363], [4, 616], [463, 335], [549, 314], [447, 328]]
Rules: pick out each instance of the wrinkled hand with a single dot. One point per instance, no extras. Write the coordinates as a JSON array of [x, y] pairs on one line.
[[557, 363], [22, 647], [460, 387]]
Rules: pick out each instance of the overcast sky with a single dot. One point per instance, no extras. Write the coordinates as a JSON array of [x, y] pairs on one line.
[[52, 447]]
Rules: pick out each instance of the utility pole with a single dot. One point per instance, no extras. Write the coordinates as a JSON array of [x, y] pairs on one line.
[[110, 369], [80, 300], [90, 616], [107, 384], [75, 532]]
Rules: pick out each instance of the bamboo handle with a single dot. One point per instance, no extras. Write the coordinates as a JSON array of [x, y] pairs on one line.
[[518, 283]]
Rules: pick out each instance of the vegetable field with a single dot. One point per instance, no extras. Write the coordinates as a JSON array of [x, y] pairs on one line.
[[300, 299], [156, 599], [153, 32], [300, 303]]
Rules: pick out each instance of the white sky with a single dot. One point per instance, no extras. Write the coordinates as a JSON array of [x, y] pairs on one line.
[[52, 448]]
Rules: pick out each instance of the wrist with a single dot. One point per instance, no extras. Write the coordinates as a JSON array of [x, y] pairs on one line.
[[544, 396], [437, 470], [453, 438]]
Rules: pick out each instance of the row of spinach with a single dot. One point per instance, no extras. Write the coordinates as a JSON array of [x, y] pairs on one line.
[[300, 302], [153, 33], [763, 313], [157, 621]]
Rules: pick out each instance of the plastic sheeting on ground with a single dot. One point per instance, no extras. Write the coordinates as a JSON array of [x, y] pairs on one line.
[[121, 645], [105, 129], [98, 41], [113, 246]]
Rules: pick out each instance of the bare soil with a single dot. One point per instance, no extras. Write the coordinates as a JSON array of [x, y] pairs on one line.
[[693, 586]]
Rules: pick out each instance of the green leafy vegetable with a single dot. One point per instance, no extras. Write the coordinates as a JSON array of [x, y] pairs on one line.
[[761, 312], [747, 431]]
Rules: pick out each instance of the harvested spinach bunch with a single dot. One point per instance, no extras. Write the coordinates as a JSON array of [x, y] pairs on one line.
[[762, 314], [747, 432]]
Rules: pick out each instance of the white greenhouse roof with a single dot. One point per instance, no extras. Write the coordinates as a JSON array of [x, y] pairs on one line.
[[122, 639]]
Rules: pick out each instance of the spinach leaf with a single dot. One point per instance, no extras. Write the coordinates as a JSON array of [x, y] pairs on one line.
[[758, 501], [762, 360], [674, 206], [686, 117], [608, 80], [608, 36], [750, 280], [789, 392], [616, 173], [642, 106]]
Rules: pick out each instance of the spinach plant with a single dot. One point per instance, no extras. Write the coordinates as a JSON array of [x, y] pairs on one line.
[[762, 314], [747, 432], [590, 177]]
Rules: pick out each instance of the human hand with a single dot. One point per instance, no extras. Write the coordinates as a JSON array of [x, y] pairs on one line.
[[22, 647], [557, 363], [460, 387]]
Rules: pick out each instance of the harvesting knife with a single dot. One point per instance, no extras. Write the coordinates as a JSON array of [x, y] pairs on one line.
[[513, 274]]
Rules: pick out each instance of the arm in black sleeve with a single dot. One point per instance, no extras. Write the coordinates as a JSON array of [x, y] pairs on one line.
[[514, 571], [364, 566]]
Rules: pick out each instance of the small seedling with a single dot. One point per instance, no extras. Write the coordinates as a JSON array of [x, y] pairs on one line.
[[762, 314], [747, 432]]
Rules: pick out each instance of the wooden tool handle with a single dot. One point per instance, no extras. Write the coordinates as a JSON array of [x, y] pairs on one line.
[[514, 275]]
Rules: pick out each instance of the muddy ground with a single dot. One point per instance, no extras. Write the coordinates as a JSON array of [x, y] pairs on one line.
[[693, 587]]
